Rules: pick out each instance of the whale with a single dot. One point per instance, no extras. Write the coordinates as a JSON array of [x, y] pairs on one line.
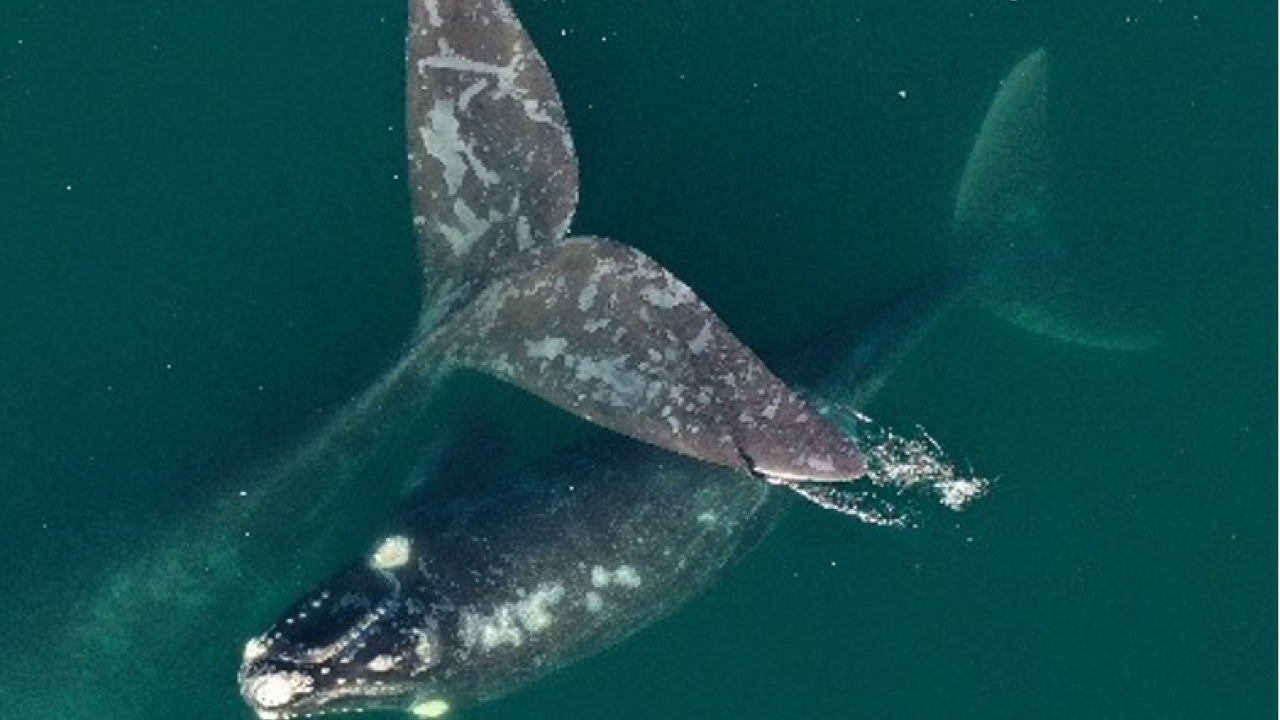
[[588, 324], [473, 592]]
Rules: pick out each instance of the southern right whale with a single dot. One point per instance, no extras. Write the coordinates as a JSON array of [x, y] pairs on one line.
[[591, 325], [470, 595]]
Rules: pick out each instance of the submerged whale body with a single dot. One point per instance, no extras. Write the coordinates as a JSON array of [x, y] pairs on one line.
[[472, 594]]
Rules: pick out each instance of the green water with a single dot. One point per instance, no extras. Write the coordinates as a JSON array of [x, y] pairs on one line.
[[204, 246]]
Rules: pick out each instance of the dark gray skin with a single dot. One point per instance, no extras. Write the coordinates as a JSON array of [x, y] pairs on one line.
[[479, 591], [503, 587]]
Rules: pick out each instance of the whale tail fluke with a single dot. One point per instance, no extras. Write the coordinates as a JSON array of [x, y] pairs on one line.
[[493, 176], [592, 326], [1006, 225], [618, 340]]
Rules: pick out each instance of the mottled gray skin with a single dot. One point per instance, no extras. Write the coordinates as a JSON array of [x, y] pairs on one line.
[[591, 325]]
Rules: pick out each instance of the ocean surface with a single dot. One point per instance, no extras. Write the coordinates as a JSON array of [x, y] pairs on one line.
[[205, 248]]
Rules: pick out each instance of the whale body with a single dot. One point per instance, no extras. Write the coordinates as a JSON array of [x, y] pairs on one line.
[[472, 593], [590, 325]]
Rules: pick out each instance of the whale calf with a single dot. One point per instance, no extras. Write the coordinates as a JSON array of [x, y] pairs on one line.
[[472, 593]]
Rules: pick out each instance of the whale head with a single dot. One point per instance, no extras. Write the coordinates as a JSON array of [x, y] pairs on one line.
[[356, 644]]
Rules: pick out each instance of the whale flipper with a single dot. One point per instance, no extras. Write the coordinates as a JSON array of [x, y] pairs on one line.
[[592, 326]]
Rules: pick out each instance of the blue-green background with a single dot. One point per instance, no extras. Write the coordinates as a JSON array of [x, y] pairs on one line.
[[204, 246]]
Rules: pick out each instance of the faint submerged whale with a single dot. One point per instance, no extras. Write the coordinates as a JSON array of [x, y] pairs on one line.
[[473, 594]]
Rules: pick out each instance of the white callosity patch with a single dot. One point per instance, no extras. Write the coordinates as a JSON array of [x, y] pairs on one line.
[[382, 663], [430, 708], [255, 649], [277, 689], [391, 553], [513, 622]]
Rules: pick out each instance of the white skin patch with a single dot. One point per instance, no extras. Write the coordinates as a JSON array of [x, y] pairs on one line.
[[699, 344], [548, 348], [674, 294], [587, 297], [254, 650], [470, 228], [391, 553], [447, 60], [433, 708], [382, 663], [524, 236], [433, 12], [441, 140], [621, 576], [470, 92], [618, 385], [277, 689], [510, 623], [593, 601], [821, 464]]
